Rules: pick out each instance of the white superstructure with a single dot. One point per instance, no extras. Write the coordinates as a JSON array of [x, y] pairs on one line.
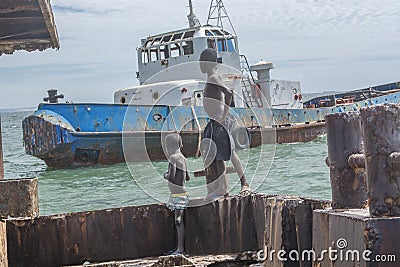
[[169, 72]]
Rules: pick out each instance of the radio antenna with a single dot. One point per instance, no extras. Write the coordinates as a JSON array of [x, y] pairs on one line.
[[193, 20]]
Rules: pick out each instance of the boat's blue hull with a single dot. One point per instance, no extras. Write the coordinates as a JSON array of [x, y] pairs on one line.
[[70, 135]]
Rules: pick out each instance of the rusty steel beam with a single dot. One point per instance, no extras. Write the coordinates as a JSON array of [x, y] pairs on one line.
[[1, 156], [345, 161], [381, 132]]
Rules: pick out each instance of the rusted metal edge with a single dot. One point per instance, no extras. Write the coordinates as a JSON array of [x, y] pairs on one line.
[[48, 17]]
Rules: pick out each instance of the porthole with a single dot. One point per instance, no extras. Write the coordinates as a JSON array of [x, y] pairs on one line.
[[157, 117]]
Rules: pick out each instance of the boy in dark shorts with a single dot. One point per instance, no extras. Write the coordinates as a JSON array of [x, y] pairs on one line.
[[216, 102], [177, 175], [216, 179]]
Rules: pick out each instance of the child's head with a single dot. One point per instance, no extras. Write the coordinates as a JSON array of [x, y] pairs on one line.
[[208, 60], [173, 142]]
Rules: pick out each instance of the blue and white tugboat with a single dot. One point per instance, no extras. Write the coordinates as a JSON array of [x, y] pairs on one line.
[[169, 98]]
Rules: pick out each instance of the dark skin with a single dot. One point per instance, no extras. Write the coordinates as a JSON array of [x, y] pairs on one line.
[[217, 99], [176, 176]]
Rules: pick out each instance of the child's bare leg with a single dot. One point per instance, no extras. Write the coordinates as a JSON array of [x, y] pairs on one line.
[[239, 169], [180, 228], [218, 186], [211, 178], [222, 177]]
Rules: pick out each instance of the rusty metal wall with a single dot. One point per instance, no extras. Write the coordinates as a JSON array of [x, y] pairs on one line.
[[289, 224], [115, 234], [233, 224], [19, 198], [360, 231], [229, 225]]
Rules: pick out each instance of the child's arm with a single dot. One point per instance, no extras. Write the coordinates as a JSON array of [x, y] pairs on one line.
[[187, 176]]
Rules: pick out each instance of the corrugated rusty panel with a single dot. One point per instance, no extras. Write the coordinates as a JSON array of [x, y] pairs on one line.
[[237, 224], [97, 236], [19, 198], [233, 224], [303, 220], [3, 244], [280, 229], [289, 224]]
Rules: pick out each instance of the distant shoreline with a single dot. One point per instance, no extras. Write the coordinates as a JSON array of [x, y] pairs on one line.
[[9, 110]]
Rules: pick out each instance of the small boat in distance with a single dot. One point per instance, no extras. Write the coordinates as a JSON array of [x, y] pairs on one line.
[[170, 98]]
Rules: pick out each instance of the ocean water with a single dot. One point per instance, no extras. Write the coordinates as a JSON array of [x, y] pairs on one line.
[[289, 169]]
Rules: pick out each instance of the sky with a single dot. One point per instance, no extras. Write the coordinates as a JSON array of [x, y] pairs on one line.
[[326, 45]]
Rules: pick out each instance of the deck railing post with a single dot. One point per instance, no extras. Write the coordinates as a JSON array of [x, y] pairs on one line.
[[381, 136], [346, 161]]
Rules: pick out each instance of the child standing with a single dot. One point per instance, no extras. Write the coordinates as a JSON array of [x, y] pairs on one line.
[[177, 175]]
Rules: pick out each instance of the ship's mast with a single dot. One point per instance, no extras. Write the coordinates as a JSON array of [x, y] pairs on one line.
[[193, 20], [217, 14]]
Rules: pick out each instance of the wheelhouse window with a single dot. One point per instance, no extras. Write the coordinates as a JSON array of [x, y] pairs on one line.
[[217, 33], [166, 39], [175, 50], [153, 54], [148, 43], [208, 33], [222, 45], [231, 45], [177, 36], [168, 46], [164, 52], [145, 56], [189, 34], [156, 41], [187, 47], [211, 43]]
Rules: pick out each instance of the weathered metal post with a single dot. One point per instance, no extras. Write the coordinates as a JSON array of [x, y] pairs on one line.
[[381, 136], [346, 161], [1, 155]]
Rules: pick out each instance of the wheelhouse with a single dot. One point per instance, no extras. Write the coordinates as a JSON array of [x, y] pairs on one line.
[[159, 52]]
